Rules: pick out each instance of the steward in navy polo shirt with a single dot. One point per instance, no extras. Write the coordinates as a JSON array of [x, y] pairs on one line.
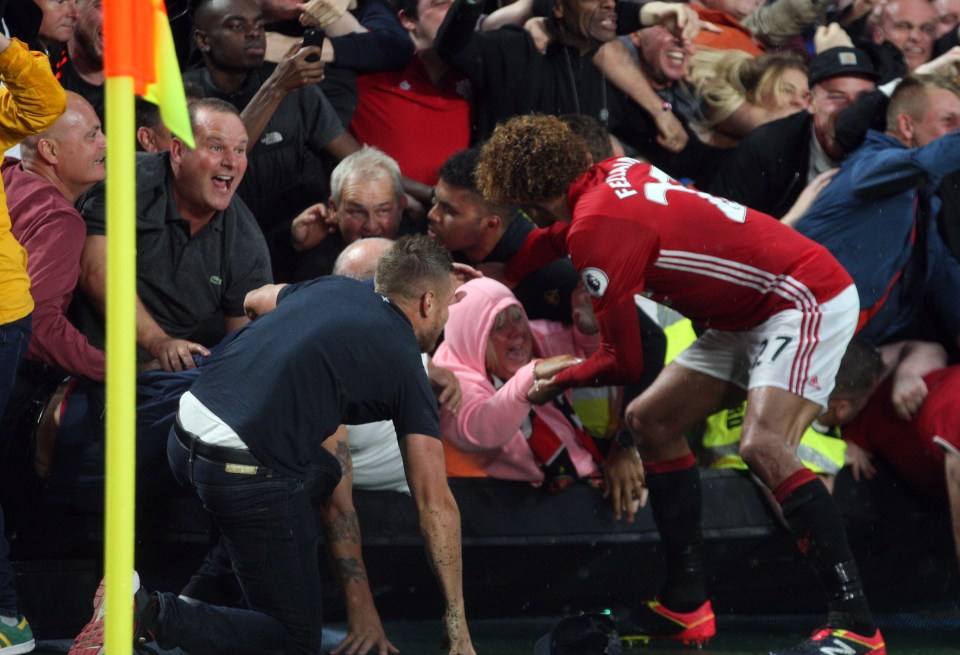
[[248, 440], [333, 351]]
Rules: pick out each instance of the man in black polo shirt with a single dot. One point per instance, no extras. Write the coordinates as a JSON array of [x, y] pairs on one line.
[[199, 249], [249, 434], [293, 129]]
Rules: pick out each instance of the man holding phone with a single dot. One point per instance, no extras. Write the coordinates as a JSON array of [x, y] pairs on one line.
[[290, 122], [313, 37]]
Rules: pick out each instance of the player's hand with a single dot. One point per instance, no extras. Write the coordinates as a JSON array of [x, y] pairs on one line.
[[625, 482], [549, 367], [545, 387]]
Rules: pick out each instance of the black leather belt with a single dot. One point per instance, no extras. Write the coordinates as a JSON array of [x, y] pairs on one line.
[[211, 452]]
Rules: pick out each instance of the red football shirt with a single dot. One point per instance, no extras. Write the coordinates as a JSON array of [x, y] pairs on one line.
[[909, 446], [416, 123], [635, 230]]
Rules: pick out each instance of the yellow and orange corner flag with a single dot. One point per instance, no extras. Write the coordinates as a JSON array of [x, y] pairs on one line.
[[144, 50], [139, 58]]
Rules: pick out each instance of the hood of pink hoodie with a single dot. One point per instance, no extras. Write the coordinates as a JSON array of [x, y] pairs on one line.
[[463, 352], [471, 322]]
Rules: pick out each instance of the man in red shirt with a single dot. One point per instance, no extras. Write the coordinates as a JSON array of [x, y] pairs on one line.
[[919, 438], [58, 166], [419, 115], [779, 311]]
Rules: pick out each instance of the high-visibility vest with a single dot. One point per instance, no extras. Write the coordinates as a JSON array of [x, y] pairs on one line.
[[821, 453]]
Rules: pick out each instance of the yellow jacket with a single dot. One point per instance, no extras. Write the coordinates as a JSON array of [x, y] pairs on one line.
[[32, 100]]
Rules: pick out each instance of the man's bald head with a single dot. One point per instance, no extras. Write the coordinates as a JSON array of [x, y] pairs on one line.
[[70, 153], [359, 259]]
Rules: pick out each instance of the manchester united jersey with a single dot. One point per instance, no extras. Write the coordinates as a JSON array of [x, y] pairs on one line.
[[635, 230]]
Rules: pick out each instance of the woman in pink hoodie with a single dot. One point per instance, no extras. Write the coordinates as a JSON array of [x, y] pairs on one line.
[[492, 348]]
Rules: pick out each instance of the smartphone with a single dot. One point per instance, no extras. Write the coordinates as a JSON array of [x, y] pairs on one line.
[[313, 36]]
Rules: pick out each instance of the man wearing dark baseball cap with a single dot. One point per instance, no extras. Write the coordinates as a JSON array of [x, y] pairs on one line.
[[770, 168], [842, 60]]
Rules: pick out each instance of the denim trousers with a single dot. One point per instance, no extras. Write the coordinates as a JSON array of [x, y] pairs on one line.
[[14, 338], [269, 534]]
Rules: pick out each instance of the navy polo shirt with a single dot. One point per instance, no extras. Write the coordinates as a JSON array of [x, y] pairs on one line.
[[333, 351]]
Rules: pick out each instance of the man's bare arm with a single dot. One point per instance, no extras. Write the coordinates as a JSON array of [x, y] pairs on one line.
[[293, 72], [342, 531], [171, 353], [440, 525]]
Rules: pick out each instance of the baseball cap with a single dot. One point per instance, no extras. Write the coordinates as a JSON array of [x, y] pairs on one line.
[[842, 60]]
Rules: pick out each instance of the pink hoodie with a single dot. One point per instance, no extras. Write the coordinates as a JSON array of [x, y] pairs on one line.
[[486, 428]]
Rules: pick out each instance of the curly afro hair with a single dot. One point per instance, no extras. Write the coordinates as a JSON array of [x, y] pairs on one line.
[[530, 159]]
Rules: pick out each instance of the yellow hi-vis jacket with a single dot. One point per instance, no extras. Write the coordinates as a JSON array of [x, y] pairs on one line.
[[821, 453]]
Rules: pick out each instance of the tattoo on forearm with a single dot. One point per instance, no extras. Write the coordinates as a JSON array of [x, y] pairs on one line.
[[345, 527], [343, 456], [349, 569]]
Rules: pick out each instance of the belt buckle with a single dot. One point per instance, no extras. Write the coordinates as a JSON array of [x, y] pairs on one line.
[[241, 469]]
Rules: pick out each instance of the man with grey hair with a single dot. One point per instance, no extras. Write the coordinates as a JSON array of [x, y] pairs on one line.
[[251, 450], [366, 195], [366, 200]]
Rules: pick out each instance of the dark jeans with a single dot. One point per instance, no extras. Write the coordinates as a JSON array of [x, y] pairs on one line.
[[14, 338], [268, 532]]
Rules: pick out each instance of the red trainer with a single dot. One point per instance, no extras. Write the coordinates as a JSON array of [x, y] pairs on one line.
[[654, 621], [90, 639]]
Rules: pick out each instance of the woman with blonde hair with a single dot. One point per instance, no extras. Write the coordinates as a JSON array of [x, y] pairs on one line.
[[740, 92]]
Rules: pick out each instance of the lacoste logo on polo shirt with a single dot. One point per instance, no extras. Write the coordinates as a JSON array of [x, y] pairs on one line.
[[216, 279]]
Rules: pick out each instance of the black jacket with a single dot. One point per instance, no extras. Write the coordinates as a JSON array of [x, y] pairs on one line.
[[768, 170], [510, 78]]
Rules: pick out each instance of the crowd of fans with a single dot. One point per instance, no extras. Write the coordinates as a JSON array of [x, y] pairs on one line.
[[838, 118]]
